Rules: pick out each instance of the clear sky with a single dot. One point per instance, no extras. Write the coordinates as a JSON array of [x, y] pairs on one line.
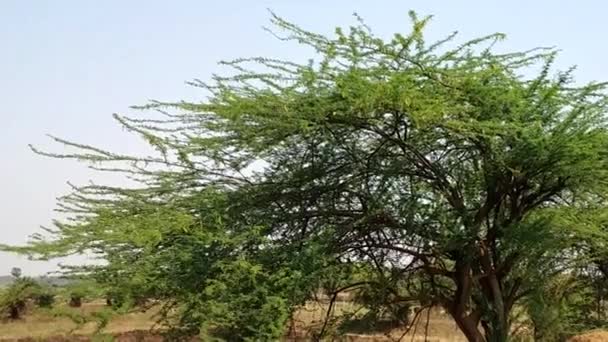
[[66, 66]]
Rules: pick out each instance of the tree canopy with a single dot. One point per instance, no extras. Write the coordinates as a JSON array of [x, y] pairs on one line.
[[444, 173]]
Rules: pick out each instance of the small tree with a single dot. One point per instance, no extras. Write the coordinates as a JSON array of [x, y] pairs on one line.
[[44, 296], [80, 289], [76, 295], [16, 272], [76, 299], [45, 300], [13, 301]]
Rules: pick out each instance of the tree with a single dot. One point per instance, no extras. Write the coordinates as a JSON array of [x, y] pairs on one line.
[[45, 297], [16, 272], [455, 173], [13, 301], [560, 308], [79, 289], [44, 293]]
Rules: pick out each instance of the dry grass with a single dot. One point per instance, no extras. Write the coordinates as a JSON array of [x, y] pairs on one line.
[[593, 336], [41, 324], [441, 328]]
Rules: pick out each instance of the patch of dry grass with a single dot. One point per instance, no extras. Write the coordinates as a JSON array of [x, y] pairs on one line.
[[593, 336], [42, 324], [440, 328]]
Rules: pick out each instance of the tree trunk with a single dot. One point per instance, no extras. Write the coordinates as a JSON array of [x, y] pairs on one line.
[[15, 312], [498, 301], [75, 302], [495, 331], [469, 328], [538, 336], [495, 324], [467, 322]]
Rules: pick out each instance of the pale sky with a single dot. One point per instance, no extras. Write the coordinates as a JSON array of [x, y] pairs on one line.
[[66, 66]]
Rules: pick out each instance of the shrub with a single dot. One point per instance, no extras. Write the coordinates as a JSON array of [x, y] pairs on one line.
[[14, 300], [45, 299], [78, 291], [76, 299]]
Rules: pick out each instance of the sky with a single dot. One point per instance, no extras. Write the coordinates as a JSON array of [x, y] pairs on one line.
[[66, 66]]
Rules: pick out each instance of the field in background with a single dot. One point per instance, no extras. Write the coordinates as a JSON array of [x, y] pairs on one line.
[[440, 328], [42, 325], [39, 325]]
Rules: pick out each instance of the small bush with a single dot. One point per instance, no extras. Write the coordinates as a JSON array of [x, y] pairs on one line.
[[76, 299], [115, 299], [14, 299], [76, 293], [45, 299]]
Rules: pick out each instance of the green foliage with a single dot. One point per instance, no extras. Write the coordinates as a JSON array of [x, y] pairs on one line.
[[16, 272], [14, 299], [242, 285], [437, 169], [79, 290], [561, 309], [44, 296], [80, 318], [384, 305]]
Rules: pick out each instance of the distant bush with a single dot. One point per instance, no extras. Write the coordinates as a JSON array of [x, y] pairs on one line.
[[115, 299], [45, 299], [76, 299], [16, 272], [44, 295], [14, 299], [78, 291]]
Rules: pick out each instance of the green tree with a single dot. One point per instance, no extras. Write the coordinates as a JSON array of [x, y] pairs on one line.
[[80, 289], [14, 299], [16, 272], [560, 308], [44, 296], [459, 175]]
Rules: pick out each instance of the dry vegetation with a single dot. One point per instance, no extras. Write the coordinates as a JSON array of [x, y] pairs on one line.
[[593, 336], [41, 325], [440, 326]]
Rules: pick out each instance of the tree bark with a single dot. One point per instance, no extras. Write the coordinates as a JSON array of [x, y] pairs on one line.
[[467, 322], [75, 302], [15, 313], [469, 327], [496, 329]]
